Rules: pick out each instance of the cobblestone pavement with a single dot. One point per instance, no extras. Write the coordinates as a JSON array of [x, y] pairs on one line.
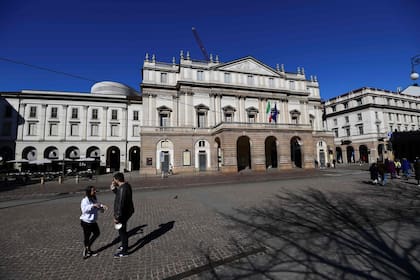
[[177, 220]]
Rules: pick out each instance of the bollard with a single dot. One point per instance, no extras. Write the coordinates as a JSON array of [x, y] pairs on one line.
[[60, 179], [77, 179], [42, 180]]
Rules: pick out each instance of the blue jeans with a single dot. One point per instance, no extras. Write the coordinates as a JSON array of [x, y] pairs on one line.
[[384, 179]]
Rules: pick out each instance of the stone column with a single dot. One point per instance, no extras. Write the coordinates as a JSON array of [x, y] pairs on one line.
[[84, 122], [242, 108], [65, 109], [23, 126], [286, 114], [104, 122], [174, 120]]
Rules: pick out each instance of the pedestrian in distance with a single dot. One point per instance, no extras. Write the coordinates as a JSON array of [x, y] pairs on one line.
[[417, 170], [392, 169], [405, 167], [373, 169], [398, 167], [382, 172], [123, 210], [88, 220]]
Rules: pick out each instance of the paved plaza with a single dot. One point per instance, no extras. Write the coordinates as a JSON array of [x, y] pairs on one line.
[[180, 224]]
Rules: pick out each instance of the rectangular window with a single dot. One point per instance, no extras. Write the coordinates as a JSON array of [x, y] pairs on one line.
[[201, 116], [74, 129], [251, 118], [335, 132], [359, 102], [136, 130], [32, 129], [114, 115], [94, 130], [333, 108], [227, 78], [388, 101], [164, 78], [114, 130], [135, 115], [335, 121], [200, 76], [164, 120], [228, 117], [292, 85], [295, 120], [348, 131], [360, 129], [398, 117], [74, 113], [390, 116], [347, 119], [32, 112], [54, 111], [271, 82], [9, 111], [94, 115], [346, 105], [250, 80], [53, 129], [359, 116], [6, 129]]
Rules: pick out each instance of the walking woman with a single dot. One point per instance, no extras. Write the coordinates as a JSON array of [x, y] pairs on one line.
[[90, 208]]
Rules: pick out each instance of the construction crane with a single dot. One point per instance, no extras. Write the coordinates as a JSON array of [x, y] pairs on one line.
[[200, 44]]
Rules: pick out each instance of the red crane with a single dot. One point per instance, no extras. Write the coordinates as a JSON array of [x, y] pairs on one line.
[[200, 44]]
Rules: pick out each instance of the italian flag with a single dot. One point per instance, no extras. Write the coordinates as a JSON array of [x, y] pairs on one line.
[[268, 110]]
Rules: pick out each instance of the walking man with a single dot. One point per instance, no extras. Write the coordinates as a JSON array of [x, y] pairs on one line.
[[123, 210]]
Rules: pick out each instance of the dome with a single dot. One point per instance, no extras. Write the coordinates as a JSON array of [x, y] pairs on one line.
[[112, 88]]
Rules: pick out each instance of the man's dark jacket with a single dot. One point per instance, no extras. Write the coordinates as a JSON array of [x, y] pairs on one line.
[[123, 203]]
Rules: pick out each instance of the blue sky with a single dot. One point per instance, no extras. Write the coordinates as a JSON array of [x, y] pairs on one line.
[[346, 44]]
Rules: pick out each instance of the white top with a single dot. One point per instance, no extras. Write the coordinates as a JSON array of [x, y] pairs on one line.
[[89, 212]]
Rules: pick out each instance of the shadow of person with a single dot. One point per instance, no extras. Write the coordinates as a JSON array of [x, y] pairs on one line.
[[131, 232], [163, 228]]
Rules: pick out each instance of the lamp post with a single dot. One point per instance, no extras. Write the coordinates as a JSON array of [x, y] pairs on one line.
[[415, 60]]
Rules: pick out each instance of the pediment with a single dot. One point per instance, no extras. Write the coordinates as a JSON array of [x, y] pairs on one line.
[[247, 65]]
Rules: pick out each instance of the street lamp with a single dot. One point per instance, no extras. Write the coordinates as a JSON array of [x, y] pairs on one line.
[[415, 60]]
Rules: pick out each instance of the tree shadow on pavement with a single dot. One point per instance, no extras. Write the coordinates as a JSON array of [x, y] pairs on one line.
[[371, 234], [163, 228], [131, 232]]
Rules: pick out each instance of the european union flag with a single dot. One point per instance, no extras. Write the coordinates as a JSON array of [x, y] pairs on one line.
[[274, 113]]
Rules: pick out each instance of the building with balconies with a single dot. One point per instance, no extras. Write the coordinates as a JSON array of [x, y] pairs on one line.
[[363, 120], [95, 129], [242, 114]]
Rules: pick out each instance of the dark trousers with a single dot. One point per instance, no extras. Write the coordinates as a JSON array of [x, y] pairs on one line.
[[124, 237], [88, 230]]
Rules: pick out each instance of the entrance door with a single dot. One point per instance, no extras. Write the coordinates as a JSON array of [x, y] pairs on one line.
[[164, 160], [322, 158], [202, 160]]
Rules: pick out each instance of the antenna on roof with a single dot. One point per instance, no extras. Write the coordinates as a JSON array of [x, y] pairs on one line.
[[200, 44]]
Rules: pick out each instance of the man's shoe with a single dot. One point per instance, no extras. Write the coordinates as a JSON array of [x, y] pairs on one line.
[[92, 253], [119, 249], [85, 253], [120, 255]]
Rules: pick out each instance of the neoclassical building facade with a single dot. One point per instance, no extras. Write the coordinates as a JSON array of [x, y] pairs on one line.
[[100, 128], [191, 116], [363, 120], [242, 114]]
